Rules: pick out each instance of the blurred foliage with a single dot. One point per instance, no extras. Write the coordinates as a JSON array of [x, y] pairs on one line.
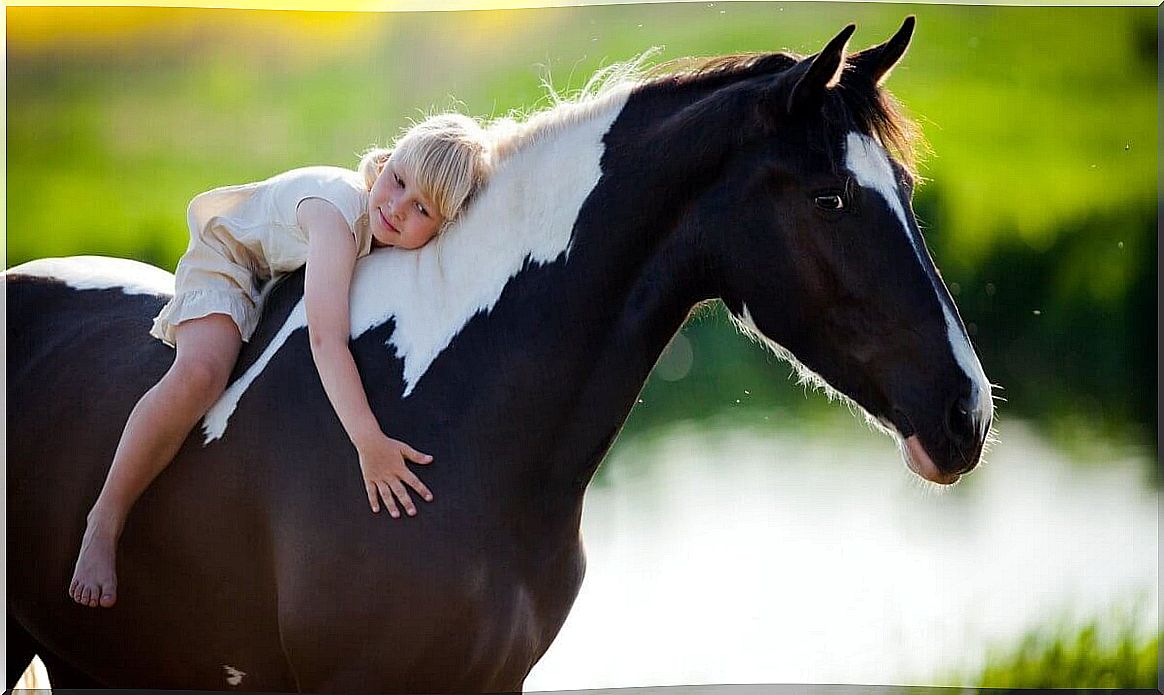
[[1041, 206], [1090, 656], [1077, 662]]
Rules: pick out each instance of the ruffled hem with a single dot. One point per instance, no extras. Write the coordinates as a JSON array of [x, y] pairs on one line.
[[194, 304]]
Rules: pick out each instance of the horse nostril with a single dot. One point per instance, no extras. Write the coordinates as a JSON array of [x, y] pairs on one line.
[[960, 421]]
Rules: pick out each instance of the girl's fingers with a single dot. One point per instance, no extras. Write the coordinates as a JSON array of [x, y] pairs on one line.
[[389, 500], [401, 493], [414, 483], [415, 456], [372, 500]]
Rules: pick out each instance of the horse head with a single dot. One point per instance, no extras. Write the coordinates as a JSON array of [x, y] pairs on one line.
[[817, 252]]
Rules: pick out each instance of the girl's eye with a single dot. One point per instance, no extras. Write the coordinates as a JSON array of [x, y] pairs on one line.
[[421, 209], [831, 202]]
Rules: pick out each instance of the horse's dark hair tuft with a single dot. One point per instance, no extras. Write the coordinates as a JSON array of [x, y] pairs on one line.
[[857, 103], [874, 111], [710, 71]]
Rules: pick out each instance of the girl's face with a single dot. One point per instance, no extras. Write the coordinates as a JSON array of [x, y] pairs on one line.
[[399, 214]]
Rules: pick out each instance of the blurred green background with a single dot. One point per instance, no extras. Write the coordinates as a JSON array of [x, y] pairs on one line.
[[1040, 206]]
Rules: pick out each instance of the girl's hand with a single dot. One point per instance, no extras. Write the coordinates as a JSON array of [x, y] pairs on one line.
[[386, 474]]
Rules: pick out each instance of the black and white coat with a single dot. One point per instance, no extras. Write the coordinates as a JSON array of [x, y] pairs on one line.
[[512, 350]]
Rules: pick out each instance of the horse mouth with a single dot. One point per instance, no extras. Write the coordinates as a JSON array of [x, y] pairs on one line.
[[920, 462]]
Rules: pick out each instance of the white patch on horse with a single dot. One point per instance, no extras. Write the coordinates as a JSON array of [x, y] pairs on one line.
[[214, 422], [233, 675], [525, 214], [870, 165], [100, 273]]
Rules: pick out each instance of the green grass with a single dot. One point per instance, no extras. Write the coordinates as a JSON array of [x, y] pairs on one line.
[[1077, 661], [1110, 652]]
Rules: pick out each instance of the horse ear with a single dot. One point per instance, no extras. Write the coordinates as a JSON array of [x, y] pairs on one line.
[[824, 71], [876, 62]]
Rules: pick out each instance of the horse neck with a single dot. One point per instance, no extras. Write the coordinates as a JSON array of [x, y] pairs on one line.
[[597, 349], [654, 306], [635, 271]]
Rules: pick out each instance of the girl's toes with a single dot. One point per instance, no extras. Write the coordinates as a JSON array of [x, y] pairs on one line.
[[108, 598]]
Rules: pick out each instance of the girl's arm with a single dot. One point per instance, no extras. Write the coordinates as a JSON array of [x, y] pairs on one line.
[[331, 258]]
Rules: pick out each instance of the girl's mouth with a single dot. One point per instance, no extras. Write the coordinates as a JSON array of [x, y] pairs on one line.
[[385, 222]]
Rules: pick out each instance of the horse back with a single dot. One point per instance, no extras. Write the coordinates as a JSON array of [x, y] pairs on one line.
[[266, 529], [75, 356], [79, 357]]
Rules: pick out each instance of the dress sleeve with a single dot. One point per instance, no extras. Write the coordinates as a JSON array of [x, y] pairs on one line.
[[342, 188], [229, 202]]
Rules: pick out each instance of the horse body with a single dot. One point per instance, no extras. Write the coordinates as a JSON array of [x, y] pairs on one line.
[[268, 562], [513, 354]]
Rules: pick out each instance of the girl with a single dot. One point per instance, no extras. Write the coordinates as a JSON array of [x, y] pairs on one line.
[[326, 218]]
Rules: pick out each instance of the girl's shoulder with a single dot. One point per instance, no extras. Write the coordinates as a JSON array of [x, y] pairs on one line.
[[344, 188], [319, 176], [277, 198], [311, 179]]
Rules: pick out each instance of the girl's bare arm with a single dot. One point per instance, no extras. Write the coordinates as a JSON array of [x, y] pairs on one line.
[[330, 261]]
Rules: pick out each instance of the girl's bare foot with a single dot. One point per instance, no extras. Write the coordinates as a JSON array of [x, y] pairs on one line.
[[95, 578]]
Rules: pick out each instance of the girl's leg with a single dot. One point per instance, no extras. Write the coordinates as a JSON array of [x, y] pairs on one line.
[[207, 348]]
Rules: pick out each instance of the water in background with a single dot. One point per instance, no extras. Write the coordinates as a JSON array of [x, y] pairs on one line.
[[738, 554]]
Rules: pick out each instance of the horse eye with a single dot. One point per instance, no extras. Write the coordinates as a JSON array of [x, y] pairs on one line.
[[830, 202]]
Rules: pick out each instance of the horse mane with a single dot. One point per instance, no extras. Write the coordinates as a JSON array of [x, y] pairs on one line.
[[716, 71], [856, 104], [874, 111], [605, 89]]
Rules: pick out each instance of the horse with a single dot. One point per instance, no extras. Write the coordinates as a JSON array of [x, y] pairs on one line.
[[512, 349]]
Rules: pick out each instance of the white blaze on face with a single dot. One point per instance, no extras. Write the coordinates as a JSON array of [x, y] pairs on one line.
[[870, 165], [100, 273], [527, 211]]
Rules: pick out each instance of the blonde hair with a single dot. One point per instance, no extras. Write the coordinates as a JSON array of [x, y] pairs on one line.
[[448, 155]]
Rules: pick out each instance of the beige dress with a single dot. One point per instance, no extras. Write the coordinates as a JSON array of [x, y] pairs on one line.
[[243, 235]]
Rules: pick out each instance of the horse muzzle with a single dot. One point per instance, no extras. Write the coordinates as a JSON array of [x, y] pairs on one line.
[[944, 450], [920, 462]]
